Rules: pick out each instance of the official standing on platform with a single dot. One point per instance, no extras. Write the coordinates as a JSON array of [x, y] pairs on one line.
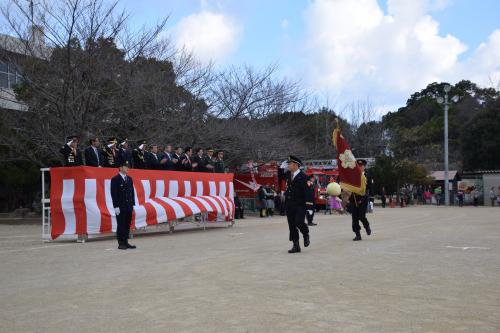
[[152, 158], [298, 201], [110, 154], [358, 205], [138, 155], [122, 195], [93, 154], [167, 158], [72, 157], [124, 153], [219, 166], [210, 160]]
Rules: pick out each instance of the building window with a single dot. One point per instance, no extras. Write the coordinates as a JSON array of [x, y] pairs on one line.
[[9, 76]]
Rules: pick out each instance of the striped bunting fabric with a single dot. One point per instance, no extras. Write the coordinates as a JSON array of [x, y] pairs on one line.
[[80, 198]]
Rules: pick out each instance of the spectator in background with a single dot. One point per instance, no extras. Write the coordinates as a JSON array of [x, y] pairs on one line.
[[261, 196], [93, 155], [460, 196], [427, 197], [383, 197], [420, 195], [239, 209], [437, 195], [493, 196], [219, 166], [475, 197], [498, 196]]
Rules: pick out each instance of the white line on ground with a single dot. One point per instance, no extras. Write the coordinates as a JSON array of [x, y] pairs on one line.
[[464, 248], [37, 248]]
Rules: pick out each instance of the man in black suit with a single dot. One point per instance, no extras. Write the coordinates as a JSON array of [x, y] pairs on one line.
[[153, 159], [93, 154], [122, 194], [186, 160], [72, 157], [199, 161], [298, 200], [167, 158], [177, 159]]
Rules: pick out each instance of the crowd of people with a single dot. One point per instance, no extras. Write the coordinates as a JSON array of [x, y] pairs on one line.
[[144, 156], [429, 195]]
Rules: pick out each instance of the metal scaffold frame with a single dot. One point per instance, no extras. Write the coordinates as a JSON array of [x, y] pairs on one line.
[[46, 223]]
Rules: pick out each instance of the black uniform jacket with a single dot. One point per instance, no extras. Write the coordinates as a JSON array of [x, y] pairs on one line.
[[122, 193], [298, 193]]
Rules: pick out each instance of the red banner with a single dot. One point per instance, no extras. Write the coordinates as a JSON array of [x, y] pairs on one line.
[[80, 198]]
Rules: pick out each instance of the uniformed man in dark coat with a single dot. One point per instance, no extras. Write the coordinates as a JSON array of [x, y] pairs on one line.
[[124, 153], [210, 160], [219, 166], [93, 153], [152, 158], [122, 195], [311, 187], [110, 153], [358, 205], [72, 157], [298, 200], [138, 155]]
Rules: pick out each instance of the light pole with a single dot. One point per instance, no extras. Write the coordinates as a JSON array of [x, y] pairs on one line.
[[446, 104]]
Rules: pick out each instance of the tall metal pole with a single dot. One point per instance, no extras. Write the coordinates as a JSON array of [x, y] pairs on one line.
[[446, 180]]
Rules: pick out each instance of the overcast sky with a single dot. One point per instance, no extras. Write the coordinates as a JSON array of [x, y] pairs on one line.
[[346, 50]]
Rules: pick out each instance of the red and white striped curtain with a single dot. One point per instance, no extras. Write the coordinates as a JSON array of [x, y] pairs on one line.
[[80, 198]]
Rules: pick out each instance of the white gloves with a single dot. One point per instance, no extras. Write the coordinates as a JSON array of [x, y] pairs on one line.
[[117, 210], [310, 212]]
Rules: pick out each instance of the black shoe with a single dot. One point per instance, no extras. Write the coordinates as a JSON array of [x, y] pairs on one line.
[[295, 248], [122, 247], [307, 241], [312, 223], [130, 246], [358, 237], [368, 231]]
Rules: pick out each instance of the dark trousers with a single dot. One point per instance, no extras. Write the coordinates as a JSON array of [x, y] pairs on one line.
[[296, 217], [359, 214], [238, 213], [310, 217], [383, 201], [123, 227]]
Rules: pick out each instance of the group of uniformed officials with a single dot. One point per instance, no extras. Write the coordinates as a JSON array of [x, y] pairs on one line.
[[144, 156], [299, 194]]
